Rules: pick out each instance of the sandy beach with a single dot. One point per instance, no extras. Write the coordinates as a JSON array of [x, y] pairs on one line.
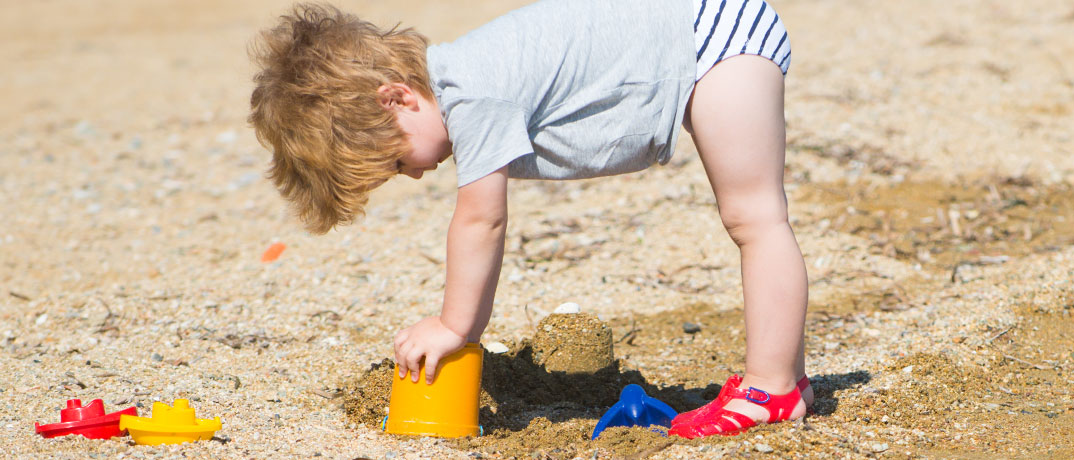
[[930, 174]]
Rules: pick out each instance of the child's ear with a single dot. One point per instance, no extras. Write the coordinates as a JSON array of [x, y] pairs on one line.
[[395, 96]]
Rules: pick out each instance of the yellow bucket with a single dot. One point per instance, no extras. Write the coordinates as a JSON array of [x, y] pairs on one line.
[[446, 408]]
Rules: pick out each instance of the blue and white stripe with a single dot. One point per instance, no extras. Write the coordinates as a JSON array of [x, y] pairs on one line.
[[725, 28]]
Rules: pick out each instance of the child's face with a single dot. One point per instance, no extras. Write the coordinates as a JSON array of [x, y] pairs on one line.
[[423, 157], [419, 118]]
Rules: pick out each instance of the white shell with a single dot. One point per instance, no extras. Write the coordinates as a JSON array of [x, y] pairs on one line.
[[496, 348], [568, 308]]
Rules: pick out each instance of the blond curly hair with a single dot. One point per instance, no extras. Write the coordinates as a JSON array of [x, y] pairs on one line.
[[315, 104]]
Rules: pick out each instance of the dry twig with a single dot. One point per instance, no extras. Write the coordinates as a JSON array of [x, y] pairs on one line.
[[648, 452], [994, 337]]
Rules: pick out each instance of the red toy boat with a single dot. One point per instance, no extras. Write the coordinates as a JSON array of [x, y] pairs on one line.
[[89, 421]]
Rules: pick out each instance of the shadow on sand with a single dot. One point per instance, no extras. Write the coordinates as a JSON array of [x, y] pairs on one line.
[[519, 390]]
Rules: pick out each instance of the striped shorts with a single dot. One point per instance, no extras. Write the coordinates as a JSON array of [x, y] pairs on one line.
[[726, 28]]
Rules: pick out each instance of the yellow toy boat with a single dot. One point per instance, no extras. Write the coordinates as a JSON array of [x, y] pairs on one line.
[[169, 425]]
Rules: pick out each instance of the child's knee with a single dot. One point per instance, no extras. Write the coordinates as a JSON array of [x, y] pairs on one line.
[[750, 218]]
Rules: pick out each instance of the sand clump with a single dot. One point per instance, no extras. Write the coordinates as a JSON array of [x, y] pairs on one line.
[[573, 343], [366, 397]]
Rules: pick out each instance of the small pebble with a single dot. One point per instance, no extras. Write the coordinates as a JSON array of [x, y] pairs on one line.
[[568, 308], [85, 129], [226, 137], [691, 328], [880, 447], [157, 357], [763, 448]]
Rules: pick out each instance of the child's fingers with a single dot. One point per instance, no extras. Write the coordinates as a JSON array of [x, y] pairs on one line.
[[431, 361], [400, 357], [401, 337], [413, 361]]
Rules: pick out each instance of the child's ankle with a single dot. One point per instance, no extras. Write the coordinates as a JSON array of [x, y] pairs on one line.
[[776, 385]]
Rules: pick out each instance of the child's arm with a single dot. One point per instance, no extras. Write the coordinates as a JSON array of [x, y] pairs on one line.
[[474, 255]]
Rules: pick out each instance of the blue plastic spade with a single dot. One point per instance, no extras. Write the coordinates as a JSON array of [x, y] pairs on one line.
[[635, 408]]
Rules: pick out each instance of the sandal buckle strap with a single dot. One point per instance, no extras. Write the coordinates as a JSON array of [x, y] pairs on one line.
[[753, 390]]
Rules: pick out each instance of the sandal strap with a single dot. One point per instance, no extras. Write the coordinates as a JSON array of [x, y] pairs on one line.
[[779, 407], [730, 391], [727, 422], [722, 422], [731, 384], [721, 399]]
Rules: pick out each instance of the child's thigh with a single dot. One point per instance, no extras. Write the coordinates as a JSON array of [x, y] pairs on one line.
[[736, 118]]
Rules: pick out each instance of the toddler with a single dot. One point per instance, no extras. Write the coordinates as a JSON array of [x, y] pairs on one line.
[[560, 89]]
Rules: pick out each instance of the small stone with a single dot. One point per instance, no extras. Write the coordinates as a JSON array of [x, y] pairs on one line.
[[41, 319], [908, 369], [691, 328], [244, 180], [763, 448], [568, 308], [496, 348], [879, 447], [85, 129], [389, 454], [226, 137], [157, 357]]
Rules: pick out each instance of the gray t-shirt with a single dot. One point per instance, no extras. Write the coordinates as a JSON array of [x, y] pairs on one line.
[[567, 89]]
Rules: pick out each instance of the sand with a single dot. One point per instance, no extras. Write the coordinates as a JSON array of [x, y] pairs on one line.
[[929, 173]]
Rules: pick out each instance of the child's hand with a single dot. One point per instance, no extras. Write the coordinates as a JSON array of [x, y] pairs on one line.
[[428, 338]]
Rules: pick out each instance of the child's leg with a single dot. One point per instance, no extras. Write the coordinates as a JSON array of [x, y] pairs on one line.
[[736, 119]]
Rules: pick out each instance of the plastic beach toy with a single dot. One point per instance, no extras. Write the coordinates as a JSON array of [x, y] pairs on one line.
[[89, 421], [635, 408], [447, 407], [169, 425]]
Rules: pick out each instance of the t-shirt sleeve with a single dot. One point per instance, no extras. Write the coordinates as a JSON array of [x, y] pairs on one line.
[[486, 135]]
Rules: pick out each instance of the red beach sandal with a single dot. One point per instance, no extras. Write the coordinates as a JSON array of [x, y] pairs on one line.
[[721, 399], [714, 419]]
